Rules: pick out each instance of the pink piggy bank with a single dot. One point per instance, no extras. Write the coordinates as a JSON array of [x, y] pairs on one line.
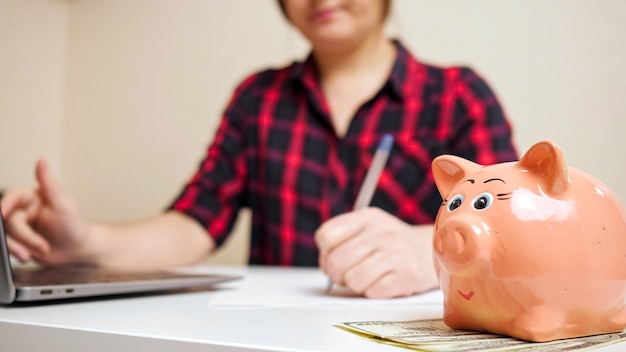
[[533, 249]]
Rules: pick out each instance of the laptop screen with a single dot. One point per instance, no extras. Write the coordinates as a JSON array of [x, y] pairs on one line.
[[7, 289]]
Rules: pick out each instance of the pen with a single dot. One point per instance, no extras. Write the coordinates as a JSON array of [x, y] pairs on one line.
[[368, 187]]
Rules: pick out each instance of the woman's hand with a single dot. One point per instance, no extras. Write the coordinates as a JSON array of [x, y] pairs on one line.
[[376, 254], [43, 223]]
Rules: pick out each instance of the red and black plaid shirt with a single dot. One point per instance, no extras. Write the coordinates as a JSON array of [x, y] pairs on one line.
[[276, 152]]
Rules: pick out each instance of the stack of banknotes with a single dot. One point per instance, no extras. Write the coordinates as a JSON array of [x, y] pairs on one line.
[[435, 335]]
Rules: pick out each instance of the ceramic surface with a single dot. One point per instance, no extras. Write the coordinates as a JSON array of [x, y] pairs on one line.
[[533, 249]]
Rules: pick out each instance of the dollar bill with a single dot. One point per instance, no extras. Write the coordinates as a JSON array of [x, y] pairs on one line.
[[435, 335]]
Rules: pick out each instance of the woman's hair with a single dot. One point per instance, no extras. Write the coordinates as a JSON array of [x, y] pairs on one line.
[[386, 7]]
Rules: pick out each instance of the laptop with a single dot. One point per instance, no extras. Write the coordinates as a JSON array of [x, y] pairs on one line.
[[32, 283]]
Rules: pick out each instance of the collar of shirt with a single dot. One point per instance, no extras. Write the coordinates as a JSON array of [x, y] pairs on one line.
[[305, 74]]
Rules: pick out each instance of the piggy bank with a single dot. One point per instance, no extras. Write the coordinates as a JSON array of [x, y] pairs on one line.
[[532, 249]]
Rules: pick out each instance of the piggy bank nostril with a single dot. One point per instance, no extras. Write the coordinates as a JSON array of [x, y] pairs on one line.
[[450, 242], [456, 246], [457, 242]]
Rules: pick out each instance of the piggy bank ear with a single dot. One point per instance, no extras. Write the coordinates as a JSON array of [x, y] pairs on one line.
[[546, 160], [449, 170]]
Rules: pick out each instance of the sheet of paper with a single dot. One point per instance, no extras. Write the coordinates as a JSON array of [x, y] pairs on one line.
[[435, 335], [284, 288]]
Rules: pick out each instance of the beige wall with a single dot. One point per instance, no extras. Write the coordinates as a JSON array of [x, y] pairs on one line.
[[33, 55], [126, 94]]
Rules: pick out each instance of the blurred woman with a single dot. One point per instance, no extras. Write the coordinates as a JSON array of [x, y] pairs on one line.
[[294, 146]]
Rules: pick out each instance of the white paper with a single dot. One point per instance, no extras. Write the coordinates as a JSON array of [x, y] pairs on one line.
[[285, 288]]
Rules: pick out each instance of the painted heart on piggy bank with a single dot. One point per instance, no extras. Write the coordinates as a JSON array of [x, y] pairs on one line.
[[532, 249]]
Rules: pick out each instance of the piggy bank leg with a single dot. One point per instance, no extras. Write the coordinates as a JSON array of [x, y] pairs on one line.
[[539, 324], [457, 320]]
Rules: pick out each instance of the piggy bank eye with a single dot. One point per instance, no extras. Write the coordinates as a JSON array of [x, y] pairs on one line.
[[455, 202], [483, 201]]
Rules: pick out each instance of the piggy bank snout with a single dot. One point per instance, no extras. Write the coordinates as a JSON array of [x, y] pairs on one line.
[[458, 243]]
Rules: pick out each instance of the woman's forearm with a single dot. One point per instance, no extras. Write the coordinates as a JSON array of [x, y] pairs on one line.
[[168, 240]]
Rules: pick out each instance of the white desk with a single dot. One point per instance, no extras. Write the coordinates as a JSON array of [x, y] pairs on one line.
[[206, 321]]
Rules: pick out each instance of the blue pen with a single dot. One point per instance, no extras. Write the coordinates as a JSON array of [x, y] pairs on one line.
[[368, 187], [373, 174]]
